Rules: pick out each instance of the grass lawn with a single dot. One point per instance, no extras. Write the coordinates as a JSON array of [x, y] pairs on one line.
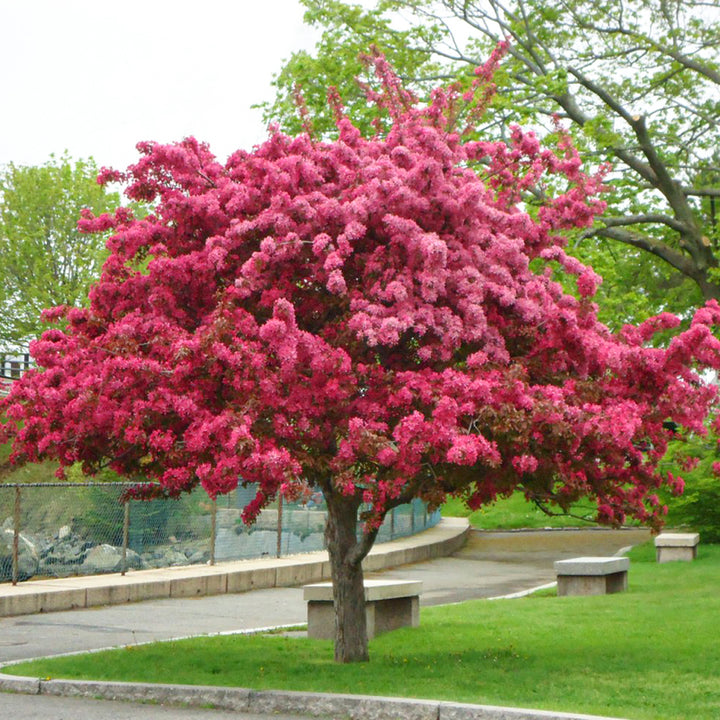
[[650, 653], [516, 512]]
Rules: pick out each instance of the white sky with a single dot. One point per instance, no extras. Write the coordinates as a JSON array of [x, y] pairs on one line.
[[94, 77]]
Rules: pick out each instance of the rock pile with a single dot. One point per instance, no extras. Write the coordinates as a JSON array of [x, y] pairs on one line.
[[66, 553]]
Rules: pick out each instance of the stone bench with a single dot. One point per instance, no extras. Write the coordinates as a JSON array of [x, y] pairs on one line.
[[592, 575], [676, 546], [389, 604]]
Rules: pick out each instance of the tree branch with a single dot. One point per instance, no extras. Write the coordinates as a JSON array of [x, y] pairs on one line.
[[649, 218], [362, 547], [673, 257], [702, 192]]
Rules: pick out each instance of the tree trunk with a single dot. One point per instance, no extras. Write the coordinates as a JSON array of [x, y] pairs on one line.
[[346, 555]]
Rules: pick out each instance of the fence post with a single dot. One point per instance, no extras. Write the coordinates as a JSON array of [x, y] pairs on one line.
[[279, 525], [213, 529], [126, 536], [412, 517], [392, 524], [16, 538]]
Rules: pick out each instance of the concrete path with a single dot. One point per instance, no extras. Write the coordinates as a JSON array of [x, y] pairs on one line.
[[494, 564], [489, 565]]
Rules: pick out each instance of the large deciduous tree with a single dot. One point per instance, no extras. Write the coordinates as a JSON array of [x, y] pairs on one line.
[[45, 260], [375, 317], [637, 80]]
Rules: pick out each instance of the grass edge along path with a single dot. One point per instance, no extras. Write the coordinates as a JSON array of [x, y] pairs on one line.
[[645, 654]]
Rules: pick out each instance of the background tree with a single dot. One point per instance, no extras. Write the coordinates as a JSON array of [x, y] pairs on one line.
[[46, 261], [375, 318], [638, 80]]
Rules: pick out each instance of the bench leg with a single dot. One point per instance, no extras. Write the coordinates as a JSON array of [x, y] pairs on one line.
[[674, 554], [395, 613], [381, 615], [592, 584], [617, 582], [321, 620]]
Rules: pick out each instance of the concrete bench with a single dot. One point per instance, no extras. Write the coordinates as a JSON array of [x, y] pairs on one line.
[[676, 546], [592, 575], [389, 604]]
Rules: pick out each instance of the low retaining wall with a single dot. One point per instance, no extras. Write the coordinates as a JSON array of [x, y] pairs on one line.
[[449, 535]]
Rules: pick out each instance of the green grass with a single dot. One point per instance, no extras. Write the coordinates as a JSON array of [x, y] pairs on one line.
[[646, 654], [516, 512]]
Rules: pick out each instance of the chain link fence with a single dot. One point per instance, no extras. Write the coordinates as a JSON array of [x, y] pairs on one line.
[[60, 529]]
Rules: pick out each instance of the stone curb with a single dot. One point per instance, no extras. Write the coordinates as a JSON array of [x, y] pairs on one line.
[[36, 596], [274, 702], [559, 530]]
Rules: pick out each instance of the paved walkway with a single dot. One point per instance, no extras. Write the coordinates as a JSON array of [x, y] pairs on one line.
[[489, 565], [230, 577]]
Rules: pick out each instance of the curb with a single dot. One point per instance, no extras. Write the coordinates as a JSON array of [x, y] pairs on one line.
[[274, 702]]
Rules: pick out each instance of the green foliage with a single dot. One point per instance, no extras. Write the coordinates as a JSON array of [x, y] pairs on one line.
[[610, 655], [100, 514], [101, 517], [636, 284], [5, 449], [45, 260], [516, 512], [698, 508]]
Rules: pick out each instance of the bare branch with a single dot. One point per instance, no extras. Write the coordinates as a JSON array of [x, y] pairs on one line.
[[702, 192], [648, 218], [675, 258]]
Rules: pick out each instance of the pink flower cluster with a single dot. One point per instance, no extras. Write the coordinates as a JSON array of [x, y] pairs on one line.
[[360, 316]]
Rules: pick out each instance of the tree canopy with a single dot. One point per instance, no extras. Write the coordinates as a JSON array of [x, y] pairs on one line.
[[375, 317], [637, 80], [46, 261]]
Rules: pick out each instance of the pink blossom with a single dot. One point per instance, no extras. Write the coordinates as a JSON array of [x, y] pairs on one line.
[[375, 315], [336, 283], [463, 451], [525, 463], [587, 283]]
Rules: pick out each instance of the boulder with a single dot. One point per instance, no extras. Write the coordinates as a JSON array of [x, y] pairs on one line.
[[108, 559], [64, 554], [28, 559], [198, 557], [172, 558]]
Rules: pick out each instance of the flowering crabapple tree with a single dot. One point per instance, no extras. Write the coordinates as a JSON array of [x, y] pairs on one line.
[[378, 318]]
